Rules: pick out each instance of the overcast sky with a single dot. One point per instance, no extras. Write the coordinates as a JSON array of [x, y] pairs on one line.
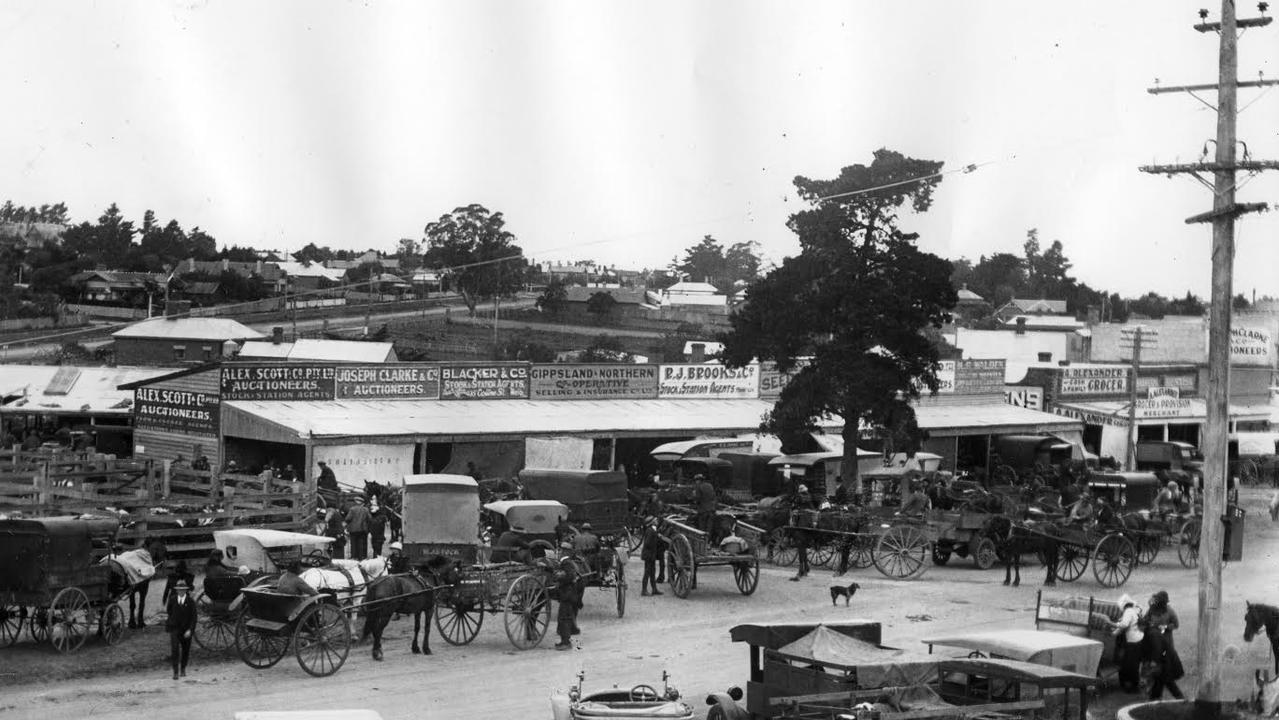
[[624, 131]]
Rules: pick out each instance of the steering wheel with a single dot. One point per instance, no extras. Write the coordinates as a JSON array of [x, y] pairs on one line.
[[641, 693], [976, 654]]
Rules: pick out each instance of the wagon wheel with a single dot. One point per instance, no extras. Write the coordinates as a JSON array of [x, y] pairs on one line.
[[215, 628], [322, 639], [941, 554], [862, 554], [1072, 561], [900, 552], [258, 650], [747, 575], [784, 552], [821, 554], [985, 554], [1148, 548], [459, 621], [1113, 560], [1188, 543], [619, 586], [528, 612], [111, 624], [631, 540], [11, 617], [38, 624], [680, 566], [69, 619], [1247, 472]]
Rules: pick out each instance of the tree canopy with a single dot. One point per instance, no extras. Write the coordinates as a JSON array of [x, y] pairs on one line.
[[855, 301], [479, 254], [709, 261]]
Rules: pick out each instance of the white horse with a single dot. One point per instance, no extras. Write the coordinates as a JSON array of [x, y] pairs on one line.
[[345, 578]]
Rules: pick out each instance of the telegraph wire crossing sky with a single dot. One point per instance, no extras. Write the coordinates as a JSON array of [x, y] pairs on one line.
[[624, 131]]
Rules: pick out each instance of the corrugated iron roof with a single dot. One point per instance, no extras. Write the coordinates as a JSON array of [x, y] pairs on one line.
[[94, 391], [192, 328], [347, 351]]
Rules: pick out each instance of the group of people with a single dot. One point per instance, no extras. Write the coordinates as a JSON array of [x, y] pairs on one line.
[[361, 524], [1147, 638]]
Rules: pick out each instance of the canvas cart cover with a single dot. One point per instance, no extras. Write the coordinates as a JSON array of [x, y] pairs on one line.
[[876, 666], [1042, 647], [573, 487], [264, 550], [536, 517], [136, 564], [441, 509], [34, 551]]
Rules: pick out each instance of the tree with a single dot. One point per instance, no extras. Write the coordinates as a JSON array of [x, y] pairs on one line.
[[478, 253], [235, 253], [708, 261], [600, 304], [998, 278], [310, 253], [605, 349], [553, 298], [854, 300]]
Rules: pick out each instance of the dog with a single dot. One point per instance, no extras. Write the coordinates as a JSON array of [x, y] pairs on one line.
[[847, 592]]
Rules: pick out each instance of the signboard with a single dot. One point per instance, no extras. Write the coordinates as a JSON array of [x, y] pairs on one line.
[[1185, 382], [388, 382], [1166, 407], [592, 382], [1031, 398], [1251, 346], [180, 410], [276, 382], [1093, 380], [708, 381], [1091, 418], [975, 377], [772, 380], [946, 377], [353, 464], [1158, 393], [496, 381]]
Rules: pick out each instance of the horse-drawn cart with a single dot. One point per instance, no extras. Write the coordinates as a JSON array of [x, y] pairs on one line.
[[312, 625], [53, 581], [518, 592], [689, 550]]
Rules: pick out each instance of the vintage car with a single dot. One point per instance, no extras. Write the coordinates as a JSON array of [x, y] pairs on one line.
[[636, 703]]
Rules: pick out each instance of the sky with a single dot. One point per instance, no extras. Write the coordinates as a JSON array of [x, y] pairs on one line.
[[625, 131]]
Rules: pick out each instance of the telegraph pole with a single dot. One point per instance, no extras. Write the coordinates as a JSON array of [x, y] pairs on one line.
[[1139, 339], [1208, 699]]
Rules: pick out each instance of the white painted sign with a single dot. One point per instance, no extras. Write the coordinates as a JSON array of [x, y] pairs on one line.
[[1165, 407], [946, 377], [708, 381], [353, 464], [1094, 380], [1031, 398], [1251, 346]]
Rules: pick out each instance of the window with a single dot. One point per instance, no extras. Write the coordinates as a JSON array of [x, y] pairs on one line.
[[208, 352], [179, 352]]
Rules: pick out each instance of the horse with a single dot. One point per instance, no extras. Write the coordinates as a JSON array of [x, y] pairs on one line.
[[1012, 540], [1258, 617], [412, 594], [345, 579], [130, 576]]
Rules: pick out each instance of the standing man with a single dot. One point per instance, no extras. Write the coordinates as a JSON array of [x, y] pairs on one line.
[[336, 529], [358, 519], [801, 501], [377, 529], [566, 582], [652, 547], [704, 494], [180, 626], [327, 484]]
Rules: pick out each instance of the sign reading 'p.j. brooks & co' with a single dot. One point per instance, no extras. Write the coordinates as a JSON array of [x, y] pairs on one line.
[[708, 381], [161, 409]]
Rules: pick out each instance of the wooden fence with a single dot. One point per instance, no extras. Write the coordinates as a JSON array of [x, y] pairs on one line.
[[179, 506]]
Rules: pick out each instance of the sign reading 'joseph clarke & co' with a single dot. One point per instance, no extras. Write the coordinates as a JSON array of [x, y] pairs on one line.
[[388, 382]]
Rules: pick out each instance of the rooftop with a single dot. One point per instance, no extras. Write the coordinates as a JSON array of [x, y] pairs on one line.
[[352, 351], [191, 328]]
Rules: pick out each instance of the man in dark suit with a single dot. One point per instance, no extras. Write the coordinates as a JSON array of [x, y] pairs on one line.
[[180, 626]]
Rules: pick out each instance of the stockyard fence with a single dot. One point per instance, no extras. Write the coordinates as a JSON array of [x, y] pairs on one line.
[[153, 499]]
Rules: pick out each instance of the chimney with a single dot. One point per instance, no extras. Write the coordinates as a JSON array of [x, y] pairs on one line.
[[1021, 325], [698, 354], [277, 335], [226, 264], [1045, 357]]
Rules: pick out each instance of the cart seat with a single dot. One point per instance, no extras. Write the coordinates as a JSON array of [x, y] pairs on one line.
[[223, 589]]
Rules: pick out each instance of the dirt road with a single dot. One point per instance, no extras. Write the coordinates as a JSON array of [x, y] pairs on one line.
[[688, 638]]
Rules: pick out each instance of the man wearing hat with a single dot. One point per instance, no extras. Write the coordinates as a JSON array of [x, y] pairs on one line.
[[397, 563], [704, 497], [1128, 638], [181, 626], [652, 547], [358, 520], [587, 544], [567, 583]]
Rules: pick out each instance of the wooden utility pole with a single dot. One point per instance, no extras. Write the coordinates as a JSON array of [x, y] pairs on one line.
[[1138, 340], [1208, 699]]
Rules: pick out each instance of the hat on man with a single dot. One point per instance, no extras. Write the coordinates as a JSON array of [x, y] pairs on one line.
[[396, 545], [322, 463], [359, 499], [181, 585], [586, 526], [802, 489]]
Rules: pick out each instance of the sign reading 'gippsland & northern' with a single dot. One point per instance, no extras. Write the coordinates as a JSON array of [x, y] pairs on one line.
[[708, 381], [277, 382], [162, 409], [483, 382], [592, 382], [388, 382], [1094, 380]]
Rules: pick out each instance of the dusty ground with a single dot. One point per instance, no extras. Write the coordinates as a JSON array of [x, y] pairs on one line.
[[688, 638]]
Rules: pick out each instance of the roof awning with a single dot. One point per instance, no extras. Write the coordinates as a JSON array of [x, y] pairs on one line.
[[987, 419], [1115, 412]]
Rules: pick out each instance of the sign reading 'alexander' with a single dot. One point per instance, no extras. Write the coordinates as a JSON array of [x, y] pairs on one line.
[[277, 382], [592, 382], [388, 382], [1094, 380]]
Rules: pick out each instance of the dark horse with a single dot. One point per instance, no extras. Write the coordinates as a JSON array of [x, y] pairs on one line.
[[1260, 616], [120, 586], [1014, 539], [411, 594]]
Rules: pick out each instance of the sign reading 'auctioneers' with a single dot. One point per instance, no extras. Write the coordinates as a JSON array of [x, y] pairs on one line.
[[483, 382], [190, 412], [593, 382], [276, 382], [388, 382], [708, 381]]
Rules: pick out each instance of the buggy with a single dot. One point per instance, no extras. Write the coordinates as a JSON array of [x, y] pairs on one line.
[[314, 626], [689, 549]]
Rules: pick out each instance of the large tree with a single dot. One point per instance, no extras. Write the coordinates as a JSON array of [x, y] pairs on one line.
[[473, 246], [855, 301], [709, 261]]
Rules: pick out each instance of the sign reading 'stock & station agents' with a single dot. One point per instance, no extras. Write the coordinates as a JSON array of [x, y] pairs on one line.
[[388, 382], [181, 410], [484, 381], [592, 382], [708, 381], [277, 382]]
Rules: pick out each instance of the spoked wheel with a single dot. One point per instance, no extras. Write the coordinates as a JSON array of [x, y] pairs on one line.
[[746, 574], [941, 555], [69, 619], [528, 612], [458, 621], [322, 639], [784, 551], [1148, 545], [215, 627], [862, 554], [632, 541], [679, 566], [1113, 560], [901, 551], [1072, 561], [258, 650], [821, 555], [985, 554], [1188, 543], [620, 588], [38, 624], [11, 619], [111, 624]]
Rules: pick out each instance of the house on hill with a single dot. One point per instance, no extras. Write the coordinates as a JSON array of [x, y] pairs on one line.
[[115, 286], [172, 340], [268, 273], [1023, 306], [628, 302], [699, 296]]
